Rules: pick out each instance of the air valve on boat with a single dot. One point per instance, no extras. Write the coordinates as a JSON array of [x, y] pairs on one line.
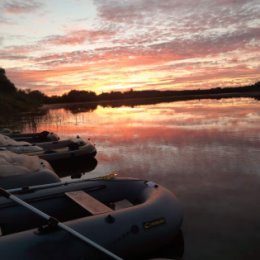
[[152, 184]]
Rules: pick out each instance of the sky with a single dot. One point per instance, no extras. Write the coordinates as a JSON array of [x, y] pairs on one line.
[[118, 45]]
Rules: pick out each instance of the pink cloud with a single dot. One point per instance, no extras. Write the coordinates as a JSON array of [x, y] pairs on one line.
[[6, 56], [130, 11], [155, 21], [202, 46], [19, 7], [21, 49], [79, 37], [205, 75], [109, 57], [22, 52]]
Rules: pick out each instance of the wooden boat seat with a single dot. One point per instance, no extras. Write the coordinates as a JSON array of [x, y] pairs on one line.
[[88, 202]]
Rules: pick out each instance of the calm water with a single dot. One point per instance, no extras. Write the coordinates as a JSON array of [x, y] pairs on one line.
[[207, 152]]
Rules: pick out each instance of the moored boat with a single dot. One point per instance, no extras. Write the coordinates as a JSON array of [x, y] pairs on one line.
[[75, 147], [44, 136], [18, 170], [129, 217], [8, 131], [50, 151]]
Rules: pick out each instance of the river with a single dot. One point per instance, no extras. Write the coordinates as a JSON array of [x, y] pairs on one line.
[[205, 151]]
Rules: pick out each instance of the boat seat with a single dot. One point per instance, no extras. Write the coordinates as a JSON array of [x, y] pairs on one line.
[[88, 202]]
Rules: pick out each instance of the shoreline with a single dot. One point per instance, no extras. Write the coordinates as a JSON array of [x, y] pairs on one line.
[[156, 99]]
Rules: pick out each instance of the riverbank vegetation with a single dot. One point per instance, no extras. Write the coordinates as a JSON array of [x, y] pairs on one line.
[[13, 100]]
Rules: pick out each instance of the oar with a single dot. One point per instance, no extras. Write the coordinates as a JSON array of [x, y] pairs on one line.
[[63, 183], [10, 196], [45, 186]]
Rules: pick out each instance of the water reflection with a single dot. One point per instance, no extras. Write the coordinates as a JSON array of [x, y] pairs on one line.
[[207, 152]]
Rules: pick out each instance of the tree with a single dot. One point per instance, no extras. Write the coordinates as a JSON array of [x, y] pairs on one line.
[[6, 86], [36, 95]]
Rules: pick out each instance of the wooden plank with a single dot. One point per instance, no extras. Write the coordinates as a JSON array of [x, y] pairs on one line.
[[87, 202]]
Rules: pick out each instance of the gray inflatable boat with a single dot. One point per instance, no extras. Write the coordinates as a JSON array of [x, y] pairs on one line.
[[18, 170], [129, 218], [50, 151], [44, 136]]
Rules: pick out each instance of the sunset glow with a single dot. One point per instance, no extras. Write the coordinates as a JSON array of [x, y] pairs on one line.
[[102, 46]]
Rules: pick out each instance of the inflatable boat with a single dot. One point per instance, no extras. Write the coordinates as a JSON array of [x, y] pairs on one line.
[[8, 131], [50, 151], [44, 136], [18, 170], [118, 218]]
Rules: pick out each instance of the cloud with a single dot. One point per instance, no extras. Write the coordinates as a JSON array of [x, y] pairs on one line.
[[22, 53], [65, 58], [146, 10], [145, 44], [151, 21], [20, 7], [51, 81], [114, 59], [79, 37], [10, 56], [21, 49], [207, 74], [4, 21], [201, 46]]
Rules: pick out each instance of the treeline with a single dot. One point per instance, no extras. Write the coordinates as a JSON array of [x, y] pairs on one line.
[[88, 96]]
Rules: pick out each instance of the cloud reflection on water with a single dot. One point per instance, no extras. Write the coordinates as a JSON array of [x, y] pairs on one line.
[[184, 137], [206, 151]]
